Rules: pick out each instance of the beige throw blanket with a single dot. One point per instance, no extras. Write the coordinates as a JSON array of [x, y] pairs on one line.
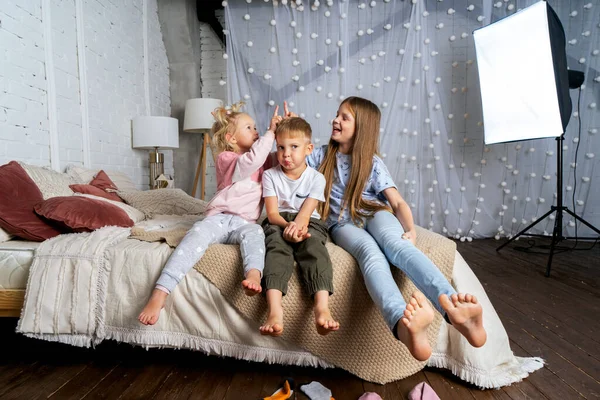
[[364, 345], [66, 289]]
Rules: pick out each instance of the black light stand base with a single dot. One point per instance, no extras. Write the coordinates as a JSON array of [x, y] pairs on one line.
[[557, 235]]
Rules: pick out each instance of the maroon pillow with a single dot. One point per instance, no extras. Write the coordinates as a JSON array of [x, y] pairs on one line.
[[82, 214], [102, 181], [96, 191], [98, 187], [18, 196]]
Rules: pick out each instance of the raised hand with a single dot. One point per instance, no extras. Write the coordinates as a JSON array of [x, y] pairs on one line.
[[286, 111], [275, 120]]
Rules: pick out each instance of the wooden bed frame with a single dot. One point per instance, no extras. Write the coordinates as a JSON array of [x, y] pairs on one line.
[[11, 302]]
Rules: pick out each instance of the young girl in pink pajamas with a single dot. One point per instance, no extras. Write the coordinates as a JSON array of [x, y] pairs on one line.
[[232, 213]]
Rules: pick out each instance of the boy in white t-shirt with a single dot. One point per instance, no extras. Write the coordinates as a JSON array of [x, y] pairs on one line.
[[294, 230]]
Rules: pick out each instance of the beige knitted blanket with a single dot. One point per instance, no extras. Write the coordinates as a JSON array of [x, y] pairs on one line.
[[364, 345]]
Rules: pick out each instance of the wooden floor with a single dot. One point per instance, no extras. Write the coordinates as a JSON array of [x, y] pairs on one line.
[[556, 318]]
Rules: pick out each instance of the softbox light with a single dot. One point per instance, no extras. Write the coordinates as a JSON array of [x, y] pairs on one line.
[[523, 76]]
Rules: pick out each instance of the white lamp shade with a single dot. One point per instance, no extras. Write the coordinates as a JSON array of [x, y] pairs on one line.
[[151, 132], [198, 117]]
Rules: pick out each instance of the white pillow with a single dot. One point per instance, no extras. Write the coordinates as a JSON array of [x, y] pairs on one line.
[[5, 236], [50, 182], [84, 176], [133, 213]]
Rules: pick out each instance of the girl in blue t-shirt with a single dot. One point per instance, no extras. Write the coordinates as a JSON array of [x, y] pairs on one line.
[[368, 218]]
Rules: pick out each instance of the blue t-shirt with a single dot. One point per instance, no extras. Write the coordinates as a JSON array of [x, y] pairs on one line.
[[379, 180]]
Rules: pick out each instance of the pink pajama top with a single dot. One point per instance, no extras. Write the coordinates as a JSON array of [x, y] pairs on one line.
[[239, 178]]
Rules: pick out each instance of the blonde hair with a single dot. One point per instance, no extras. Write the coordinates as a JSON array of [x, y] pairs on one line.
[[225, 122], [365, 145], [294, 127]]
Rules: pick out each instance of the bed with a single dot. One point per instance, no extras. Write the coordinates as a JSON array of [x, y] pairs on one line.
[[16, 257], [116, 275], [84, 288]]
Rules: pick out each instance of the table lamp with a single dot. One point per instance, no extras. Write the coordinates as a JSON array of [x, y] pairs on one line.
[[198, 119], [154, 133]]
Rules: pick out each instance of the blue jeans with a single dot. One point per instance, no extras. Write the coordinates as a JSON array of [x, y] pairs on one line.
[[380, 244]]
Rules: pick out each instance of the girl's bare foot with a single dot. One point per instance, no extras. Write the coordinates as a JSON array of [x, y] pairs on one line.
[[151, 312], [412, 327], [466, 316], [251, 284], [273, 326]]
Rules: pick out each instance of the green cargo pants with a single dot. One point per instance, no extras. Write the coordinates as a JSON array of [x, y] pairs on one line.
[[311, 255]]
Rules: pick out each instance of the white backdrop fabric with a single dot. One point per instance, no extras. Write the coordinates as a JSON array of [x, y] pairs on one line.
[[416, 60]]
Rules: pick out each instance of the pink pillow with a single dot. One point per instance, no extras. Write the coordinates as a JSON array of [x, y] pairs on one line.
[[18, 196], [103, 182], [96, 191], [82, 214], [101, 186]]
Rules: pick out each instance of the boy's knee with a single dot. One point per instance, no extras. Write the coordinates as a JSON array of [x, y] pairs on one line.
[[274, 235], [269, 230]]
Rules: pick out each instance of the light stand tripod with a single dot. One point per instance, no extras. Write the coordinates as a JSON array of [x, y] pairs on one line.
[[557, 233]]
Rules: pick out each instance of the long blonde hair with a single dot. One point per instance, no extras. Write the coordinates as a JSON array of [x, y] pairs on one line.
[[365, 145], [225, 122]]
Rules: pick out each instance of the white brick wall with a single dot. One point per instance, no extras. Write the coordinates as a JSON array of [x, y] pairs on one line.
[[23, 112], [212, 69], [114, 50], [160, 97]]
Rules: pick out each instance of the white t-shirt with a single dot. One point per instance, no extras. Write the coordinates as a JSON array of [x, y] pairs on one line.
[[292, 193]]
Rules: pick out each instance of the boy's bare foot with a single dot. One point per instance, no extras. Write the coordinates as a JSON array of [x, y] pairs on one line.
[[151, 312], [273, 326], [466, 315], [251, 284], [325, 322], [323, 319], [412, 327]]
